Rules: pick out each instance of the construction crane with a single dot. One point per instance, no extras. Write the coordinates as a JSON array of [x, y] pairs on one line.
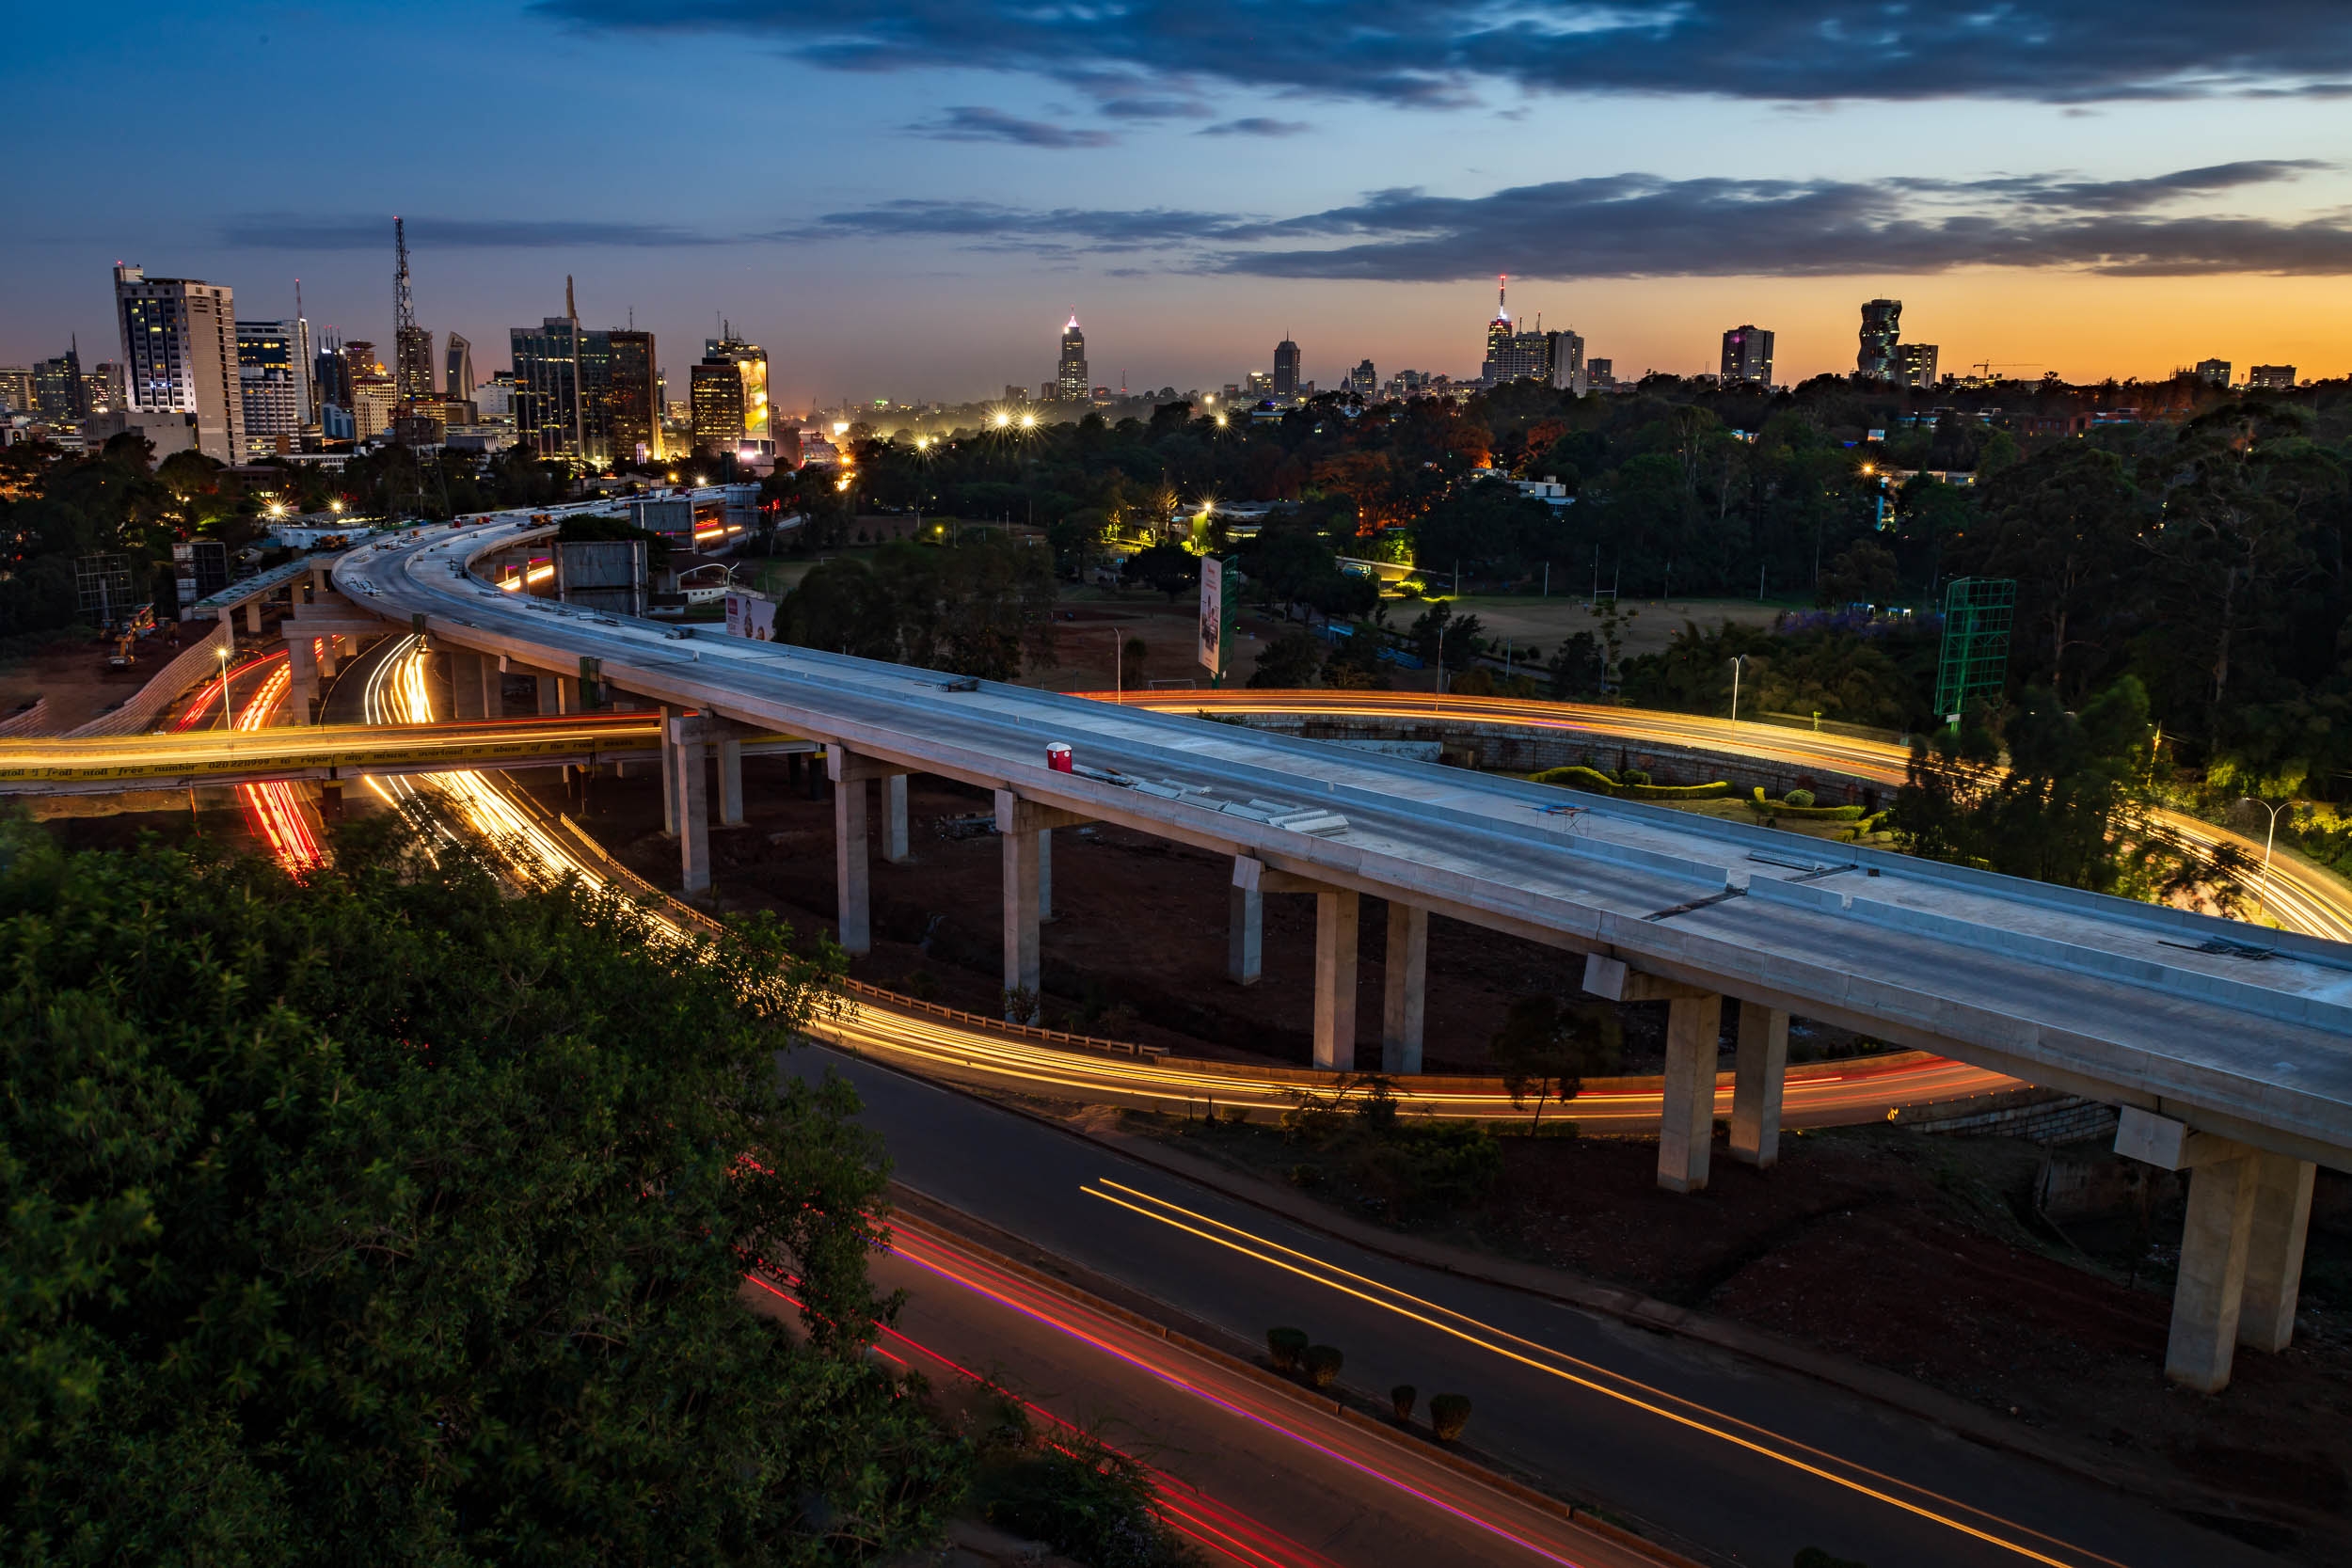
[[1984, 367]]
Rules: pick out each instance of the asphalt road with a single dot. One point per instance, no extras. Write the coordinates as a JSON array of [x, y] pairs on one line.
[[1749, 1464]]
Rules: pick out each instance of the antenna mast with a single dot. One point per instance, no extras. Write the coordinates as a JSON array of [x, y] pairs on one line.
[[404, 391]]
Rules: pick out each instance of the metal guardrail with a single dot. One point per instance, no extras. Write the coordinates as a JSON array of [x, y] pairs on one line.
[[998, 1026]]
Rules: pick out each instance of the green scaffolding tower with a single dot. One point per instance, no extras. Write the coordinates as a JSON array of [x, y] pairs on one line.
[[1975, 656]]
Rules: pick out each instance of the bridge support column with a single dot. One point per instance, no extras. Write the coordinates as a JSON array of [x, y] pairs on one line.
[[850, 773], [1406, 998], [464, 684], [894, 822], [1694, 1023], [1760, 1070], [669, 773], [1045, 875], [1020, 825], [568, 694], [327, 658], [303, 698], [253, 616], [687, 741], [731, 777], [2274, 1254], [493, 687], [2209, 1296], [550, 691], [1336, 914], [1245, 935]]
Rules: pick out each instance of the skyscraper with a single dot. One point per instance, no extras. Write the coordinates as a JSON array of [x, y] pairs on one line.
[[57, 390], [180, 356], [1286, 368], [1070, 378], [102, 388], [272, 385], [717, 390], [459, 364], [412, 364], [548, 418], [1748, 356], [1881, 329], [16, 390], [633, 401], [1498, 334], [749, 362], [1568, 363], [1915, 364], [331, 380]]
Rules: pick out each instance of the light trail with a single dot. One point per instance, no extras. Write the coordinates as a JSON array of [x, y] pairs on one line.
[[1672, 1408], [2302, 896]]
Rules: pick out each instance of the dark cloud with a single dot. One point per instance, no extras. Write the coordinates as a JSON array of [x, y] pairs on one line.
[[1254, 125], [971, 122], [1155, 108], [1443, 52], [985, 223], [291, 231]]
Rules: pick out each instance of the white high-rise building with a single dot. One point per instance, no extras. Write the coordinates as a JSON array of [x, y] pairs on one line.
[[274, 384], [180, 356]]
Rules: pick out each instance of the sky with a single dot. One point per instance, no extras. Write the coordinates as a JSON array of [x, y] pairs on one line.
[[907, 198]]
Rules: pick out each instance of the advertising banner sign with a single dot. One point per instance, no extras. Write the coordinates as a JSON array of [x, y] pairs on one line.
[[1215, 637]]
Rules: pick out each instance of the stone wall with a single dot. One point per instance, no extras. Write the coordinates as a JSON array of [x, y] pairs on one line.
[[2041, 1116]]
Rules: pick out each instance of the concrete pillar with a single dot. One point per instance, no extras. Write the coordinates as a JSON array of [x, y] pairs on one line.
[[692, 797], [329, 659], [1045, 875], [464, 684], [669, 774], [303, 697], [731, 779], [894, 823], [1336, 911], [1759, 1071], [853, 911], [2210, 1294], [1687, 1126], [1023, 965], [1406, 991], [253, 616], [229, 622], [550, 697], [2274, 1250], [568, 694], [1245, 936], [493, 688]]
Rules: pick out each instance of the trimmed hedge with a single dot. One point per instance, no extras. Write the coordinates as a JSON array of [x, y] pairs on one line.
[[1758, 803], [1597, 782]]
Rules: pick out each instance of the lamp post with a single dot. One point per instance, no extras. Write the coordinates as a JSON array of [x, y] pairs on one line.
[[1737, 659], [228, 719], [2262, 888]]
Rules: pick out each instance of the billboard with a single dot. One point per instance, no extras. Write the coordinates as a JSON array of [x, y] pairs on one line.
[[1216, 637], [756, 434], [751, 615]]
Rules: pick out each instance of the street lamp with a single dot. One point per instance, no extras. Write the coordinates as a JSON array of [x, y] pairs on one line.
[[1737, 659], [228, 718], [2261, 889]]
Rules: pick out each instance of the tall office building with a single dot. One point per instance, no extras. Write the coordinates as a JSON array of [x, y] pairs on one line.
[[1914, 365], [1567, 362], [1748, 356], [494, 398], [272, 384], [458, 362], [748, 362], [1519, 357], [412, 363], [1069, 376], [375, 402], [1881, 329], [2214, 373], [102, 388], [1363, 380], [361, 356], [716, 394], [1286, 368], [57, 390], [633, 401], [563, 379], [180, 356], [331, 380], [16, 390], [2270, 378], [1499, 335]]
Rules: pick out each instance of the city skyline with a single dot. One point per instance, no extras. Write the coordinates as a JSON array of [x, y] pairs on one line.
[[1194, 210]]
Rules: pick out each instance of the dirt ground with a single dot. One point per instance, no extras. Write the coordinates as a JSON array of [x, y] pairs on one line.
[[74, 676], [1924, 1255]]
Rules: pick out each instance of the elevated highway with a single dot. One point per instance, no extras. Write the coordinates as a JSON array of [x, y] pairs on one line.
[[2226, 1044]]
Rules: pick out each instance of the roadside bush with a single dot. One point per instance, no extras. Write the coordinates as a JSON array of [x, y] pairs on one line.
[[1448, 1413], [1084, 1500], [1578, 778], [1789, 807], [1799, 798], [1284, 1346], [1322, 1364], [1401, 1400], [1633, 784]]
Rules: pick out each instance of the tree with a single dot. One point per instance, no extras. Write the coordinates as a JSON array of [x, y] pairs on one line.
[[1168, 567], [381, 1218], [1289, 661], [1545, 1048], [1579, 672]]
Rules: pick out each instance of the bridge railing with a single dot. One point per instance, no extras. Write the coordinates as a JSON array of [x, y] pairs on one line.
[[142, 706]]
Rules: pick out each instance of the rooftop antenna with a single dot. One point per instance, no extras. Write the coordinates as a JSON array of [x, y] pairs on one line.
[[1502, 294], [403, 320]]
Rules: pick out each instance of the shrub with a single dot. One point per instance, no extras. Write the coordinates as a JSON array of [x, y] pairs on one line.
[[1448, 1415], [1084, 1500], [1578, 778], [1284, 1346], [1306, 1176], [1799, 798], [1401, 1400], [1633, 776], [1675, 792], [1322, 1364]]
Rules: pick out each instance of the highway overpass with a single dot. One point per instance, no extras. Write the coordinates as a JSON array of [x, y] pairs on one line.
[[2227, 1043]]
